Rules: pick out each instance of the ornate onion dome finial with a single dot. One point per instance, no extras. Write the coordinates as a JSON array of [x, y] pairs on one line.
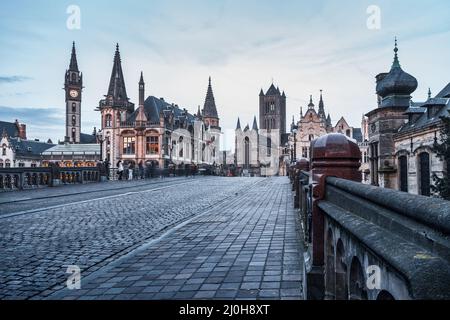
[[396, 61]]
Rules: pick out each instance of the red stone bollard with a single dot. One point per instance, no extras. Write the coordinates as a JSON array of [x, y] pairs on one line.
[[333, 155]]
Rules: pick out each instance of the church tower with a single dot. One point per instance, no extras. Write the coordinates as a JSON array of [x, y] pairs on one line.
[[272, 110], [73, 86]]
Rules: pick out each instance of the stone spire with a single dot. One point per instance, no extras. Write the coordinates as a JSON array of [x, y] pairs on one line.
[[141, 90], [301, 113], [209, 109], [73, 60], [238, 126], [255, 124], [117, 83], [311, 104], [429, 93], [321, 106]]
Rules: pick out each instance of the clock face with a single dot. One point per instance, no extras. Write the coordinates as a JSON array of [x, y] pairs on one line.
[[73, 93]]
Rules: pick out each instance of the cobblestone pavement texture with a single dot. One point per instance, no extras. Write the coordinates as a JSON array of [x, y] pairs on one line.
[[36, 247], [248, 247]]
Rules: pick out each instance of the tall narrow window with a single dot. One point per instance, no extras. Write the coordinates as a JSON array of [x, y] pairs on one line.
[[108, 121], [129, 145], [403, 165], [269, 147], [152, 145], [424, 174], [74, 107], [74, 120], [4, 150], [247, 152]]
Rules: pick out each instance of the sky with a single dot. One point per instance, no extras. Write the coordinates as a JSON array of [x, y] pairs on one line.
[[244, 45]]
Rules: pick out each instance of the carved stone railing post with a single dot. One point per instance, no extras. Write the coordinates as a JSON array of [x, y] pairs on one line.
[[331, 155], [301, 165]]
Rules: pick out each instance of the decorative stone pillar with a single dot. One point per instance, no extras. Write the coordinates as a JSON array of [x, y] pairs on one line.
[[333, 155], [302, 164]]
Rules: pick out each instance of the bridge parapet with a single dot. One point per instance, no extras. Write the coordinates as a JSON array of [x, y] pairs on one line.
[[368, 242], [12, 179]]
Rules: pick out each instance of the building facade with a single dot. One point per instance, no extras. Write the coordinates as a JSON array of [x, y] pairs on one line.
[[157, 132], [315, 123], [402, 133], [16, 150]]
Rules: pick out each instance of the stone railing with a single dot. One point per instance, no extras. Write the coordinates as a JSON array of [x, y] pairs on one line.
[[366, 242], [12, 179]]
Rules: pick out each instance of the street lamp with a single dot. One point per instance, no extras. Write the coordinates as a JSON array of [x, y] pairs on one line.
[[100, 139], [295, 144]]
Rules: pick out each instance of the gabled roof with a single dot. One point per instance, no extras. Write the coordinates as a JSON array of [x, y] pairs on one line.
[[29, 148], [153, 108]]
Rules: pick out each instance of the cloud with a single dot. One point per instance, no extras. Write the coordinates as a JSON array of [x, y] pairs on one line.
[[13, 79]]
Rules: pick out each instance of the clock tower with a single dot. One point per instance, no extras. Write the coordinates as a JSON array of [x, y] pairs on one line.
[[73, 86]]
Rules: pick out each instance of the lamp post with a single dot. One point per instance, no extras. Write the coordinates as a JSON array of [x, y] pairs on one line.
[[100, 139], [295, 144]]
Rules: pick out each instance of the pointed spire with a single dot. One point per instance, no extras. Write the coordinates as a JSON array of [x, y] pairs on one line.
[[255, 124], [117, 83], [238, 126], [321, 106], [301, 112], [329, 120], [396, 63], [261, 93], [429, 93], [209, 109], [311, 104], [141, 90], [293, 120], [199, 113], [73, 59]]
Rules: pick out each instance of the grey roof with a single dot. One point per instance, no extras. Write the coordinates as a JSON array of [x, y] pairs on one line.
[[10, 128], [73, 59], [272, 91], [357, 134], [209, 108], [70, 149], [416, 109], [424, 120], [87, 138], [445, 93], [29, 148], [154, 106]]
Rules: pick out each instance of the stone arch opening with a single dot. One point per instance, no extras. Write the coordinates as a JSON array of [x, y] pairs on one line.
[[385, 295], [357, 281], [341, 289], [330, 269]]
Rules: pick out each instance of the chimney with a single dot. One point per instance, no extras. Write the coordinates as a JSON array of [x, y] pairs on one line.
[[22, 129]]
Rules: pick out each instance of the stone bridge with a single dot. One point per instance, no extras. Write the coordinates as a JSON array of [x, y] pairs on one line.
[[366, 242]]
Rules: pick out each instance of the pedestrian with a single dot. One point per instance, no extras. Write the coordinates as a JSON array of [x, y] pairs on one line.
[[141, 169], [106, 164], [120, 169], [130, 171]]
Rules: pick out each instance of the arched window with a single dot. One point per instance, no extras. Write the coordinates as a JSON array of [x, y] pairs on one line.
[[403, 167], [108, 121], [311, 137], [74, 120], [74, 107], [4, 150], [424, 174]]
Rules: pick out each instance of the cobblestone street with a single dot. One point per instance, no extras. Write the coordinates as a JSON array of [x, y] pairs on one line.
[[202, 238]]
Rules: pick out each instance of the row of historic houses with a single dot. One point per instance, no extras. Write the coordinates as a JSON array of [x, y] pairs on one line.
[[156, 132]]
